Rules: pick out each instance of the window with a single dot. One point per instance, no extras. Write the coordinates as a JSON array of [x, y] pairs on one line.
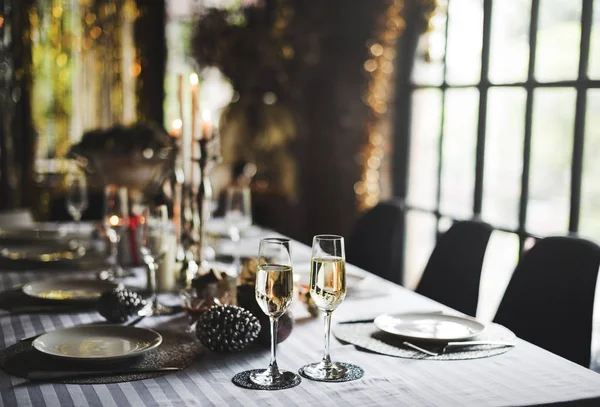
[[501, 122]]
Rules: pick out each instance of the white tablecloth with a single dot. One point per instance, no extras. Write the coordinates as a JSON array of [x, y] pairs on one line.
[[526, 375]]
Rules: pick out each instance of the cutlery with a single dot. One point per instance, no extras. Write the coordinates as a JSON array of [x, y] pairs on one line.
[[69, 374], [453, 345], [367, 320]]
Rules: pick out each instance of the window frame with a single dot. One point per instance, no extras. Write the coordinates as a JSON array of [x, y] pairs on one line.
[[401, 136]]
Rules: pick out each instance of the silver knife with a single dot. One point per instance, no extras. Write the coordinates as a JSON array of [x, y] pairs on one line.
[[74, 374]]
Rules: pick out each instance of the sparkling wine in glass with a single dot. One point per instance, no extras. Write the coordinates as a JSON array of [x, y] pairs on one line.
[[116, 219], [274, 292], [328, 290]]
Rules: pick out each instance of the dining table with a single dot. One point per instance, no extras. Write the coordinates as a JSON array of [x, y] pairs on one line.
[[525, 375]]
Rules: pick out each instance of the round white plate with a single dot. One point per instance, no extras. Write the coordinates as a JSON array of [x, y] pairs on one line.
[[43, 254], [68, 290], [48, 231], [98, 342], [219, 227], [433, 327]]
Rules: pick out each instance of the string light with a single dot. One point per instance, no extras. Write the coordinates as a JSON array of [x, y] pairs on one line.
[[379, 67]]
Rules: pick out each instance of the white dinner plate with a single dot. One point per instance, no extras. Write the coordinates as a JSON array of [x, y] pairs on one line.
[[68, 290], [47, 231], [219, 227], [42, 253], [433, 327], [98, 342]]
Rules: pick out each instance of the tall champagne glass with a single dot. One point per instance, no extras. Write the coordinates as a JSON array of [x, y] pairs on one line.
[[274, 292], [155, 227], [328, 290], [77, 197], [116, 219]]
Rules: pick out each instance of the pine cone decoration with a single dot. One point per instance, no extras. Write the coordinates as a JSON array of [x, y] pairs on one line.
[[119, 304], [227, 328]]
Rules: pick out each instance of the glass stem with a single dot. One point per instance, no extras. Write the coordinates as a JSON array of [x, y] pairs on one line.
[[273, 369], [326, 357], [152, 281]]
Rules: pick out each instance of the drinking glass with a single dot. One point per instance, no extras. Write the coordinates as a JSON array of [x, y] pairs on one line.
[[274, 292], [238, 210], [116, 219], [155, 228], [327, 289], [77, 199]]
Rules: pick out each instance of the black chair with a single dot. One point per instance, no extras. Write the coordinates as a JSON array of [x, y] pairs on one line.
[[454, 269], [550, 298], [374, 244]]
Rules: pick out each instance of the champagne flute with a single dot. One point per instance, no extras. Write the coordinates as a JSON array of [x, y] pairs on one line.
[[328, 290], [116, 219], [77, 199], [238, 210], [274, 292], [155, 225]]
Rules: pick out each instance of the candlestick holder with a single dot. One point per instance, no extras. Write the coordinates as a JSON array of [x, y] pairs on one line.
[[197, 199]]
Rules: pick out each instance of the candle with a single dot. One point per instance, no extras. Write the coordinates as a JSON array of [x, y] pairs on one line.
[[193, 148], [176, 126], [207, 125]]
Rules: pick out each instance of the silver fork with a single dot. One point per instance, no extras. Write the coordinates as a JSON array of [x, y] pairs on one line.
[[451, 345]]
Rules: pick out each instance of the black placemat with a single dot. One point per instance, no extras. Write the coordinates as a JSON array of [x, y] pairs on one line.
[[178, 349], [368, 336]]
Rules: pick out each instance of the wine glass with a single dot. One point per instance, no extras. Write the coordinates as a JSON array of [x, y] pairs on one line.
[[274, 291], [77, 199], [155, 229], [327, 290], [238, 210], [116, 219]]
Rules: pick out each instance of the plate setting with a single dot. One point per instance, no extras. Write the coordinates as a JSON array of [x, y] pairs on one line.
[[68, 290], [429, 327], [98, 342]]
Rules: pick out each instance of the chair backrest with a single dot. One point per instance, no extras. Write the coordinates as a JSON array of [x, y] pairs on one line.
[[454, 269], [549, 300], [374, 244]]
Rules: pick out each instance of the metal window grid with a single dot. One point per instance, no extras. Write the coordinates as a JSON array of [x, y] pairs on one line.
[[402, 135]]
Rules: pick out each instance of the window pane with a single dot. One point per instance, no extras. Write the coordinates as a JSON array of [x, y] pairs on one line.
[[425, 135], [458, 152], [558, 40], [551, 155], [504, 156], [509, 52], [500, 260], [589, 224], [465, 36], [429, 58], [420, 240], [594, 63]]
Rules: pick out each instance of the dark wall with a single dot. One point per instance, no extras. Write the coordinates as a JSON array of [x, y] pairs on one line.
[[333, 130]]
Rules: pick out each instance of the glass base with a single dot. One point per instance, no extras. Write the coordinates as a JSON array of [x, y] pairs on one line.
[[325, 372], [286, 380], [160, 309], [264, 378]]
